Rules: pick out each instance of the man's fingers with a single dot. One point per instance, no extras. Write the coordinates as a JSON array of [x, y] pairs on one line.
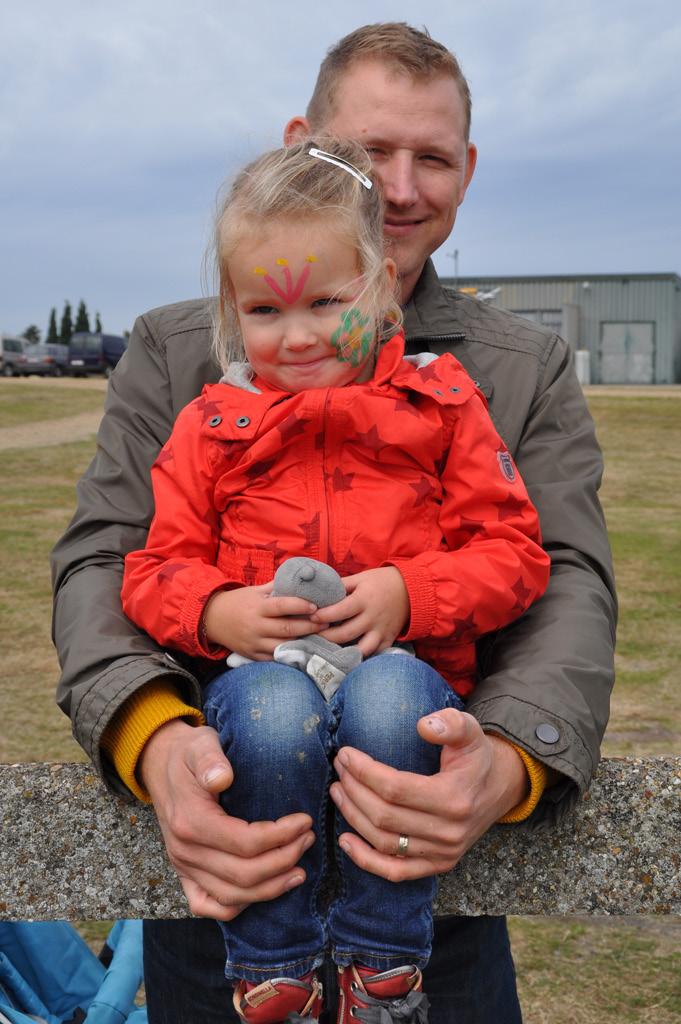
[[201, 822], [202, 904], [382, 825], [451, 728], [394, 869], [244, 872], [207, 763], [403, 789], [212, 897]]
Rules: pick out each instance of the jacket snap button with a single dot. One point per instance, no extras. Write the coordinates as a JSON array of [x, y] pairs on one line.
[[455, 390], [215, 421], [243, 421], [438, 392], [547, 733]]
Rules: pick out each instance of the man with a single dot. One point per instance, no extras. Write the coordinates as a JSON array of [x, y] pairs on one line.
[[530, 741]]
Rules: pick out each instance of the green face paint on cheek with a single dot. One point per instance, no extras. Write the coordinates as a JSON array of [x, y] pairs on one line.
[[351, 342]]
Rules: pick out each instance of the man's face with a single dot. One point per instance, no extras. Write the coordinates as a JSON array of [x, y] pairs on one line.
[[415, 133]]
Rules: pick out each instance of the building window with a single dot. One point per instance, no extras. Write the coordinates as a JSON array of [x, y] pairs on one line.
[[551, 318]]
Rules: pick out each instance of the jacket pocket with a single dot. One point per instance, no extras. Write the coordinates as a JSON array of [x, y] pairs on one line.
[[248, 566]]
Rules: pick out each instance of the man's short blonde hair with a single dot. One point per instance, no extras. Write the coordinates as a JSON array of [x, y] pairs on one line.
[[403, 49]]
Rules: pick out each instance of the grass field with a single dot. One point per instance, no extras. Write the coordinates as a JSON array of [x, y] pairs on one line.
[[571, 971]]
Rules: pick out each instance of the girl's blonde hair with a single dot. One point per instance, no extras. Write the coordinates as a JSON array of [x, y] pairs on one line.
[[291, 184]]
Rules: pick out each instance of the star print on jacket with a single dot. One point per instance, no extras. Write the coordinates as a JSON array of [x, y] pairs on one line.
[[207, 409], [167, 573], [164, 455], [311, 531], [424, 489], [510, 507], [349, 565], [371, 439], [522, 593], [291, 428], [341, 481], [261, 468], [404, 405], [430, 371]]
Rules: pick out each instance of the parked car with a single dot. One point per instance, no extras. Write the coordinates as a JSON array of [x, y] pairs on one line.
[[95, 353], [12, 356], [46, 360]]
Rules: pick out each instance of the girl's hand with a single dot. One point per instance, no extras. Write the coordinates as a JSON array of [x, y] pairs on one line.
[[251, 622], [374, 612]]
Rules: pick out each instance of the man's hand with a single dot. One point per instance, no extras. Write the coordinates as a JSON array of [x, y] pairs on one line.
[[374, 612], [251, 622], [481, 778], [223, 863]]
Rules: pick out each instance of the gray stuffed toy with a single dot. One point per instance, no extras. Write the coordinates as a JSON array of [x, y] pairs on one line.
[[324, 662]]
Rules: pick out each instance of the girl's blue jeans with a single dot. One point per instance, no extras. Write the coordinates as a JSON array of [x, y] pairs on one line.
[[280, 736]]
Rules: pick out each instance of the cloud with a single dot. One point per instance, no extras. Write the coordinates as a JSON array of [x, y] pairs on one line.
[[118, 122]]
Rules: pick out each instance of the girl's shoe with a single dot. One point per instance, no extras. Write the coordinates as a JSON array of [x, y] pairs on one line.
[[279, 1000], [381, 997]]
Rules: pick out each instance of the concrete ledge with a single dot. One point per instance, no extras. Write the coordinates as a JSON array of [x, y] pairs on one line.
[[71, 851]]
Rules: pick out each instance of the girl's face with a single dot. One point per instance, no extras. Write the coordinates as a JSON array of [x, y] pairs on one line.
[[295, 292]]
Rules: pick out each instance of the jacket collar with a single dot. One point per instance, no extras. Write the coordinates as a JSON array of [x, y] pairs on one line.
[[429, 313]]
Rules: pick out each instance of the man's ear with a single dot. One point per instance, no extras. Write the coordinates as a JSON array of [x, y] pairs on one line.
[[471, 161], [390, 271], [297, 129]]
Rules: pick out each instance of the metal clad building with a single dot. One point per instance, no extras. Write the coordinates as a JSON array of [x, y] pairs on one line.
[[629, 323]]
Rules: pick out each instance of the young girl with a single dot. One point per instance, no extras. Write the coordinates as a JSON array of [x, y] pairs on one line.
[[322, 440]]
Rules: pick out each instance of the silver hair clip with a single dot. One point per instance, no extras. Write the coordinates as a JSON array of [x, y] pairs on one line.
[[345, 165]]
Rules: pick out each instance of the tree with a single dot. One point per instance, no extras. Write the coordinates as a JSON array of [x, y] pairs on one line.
[[52, 332], [82, 318], [98, 324], [32, 334], [66, 324]]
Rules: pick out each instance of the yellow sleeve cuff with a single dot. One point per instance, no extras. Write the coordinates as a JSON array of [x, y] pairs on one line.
[[538, 775], [136, 721]]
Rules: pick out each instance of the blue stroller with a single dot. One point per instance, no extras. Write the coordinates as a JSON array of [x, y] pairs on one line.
[[49, 974]]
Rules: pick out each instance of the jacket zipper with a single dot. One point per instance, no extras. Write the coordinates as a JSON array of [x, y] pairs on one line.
[[325, 527], [435, 337]]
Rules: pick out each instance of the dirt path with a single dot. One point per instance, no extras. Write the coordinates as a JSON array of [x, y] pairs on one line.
[[634, 390], [84, 425], [61, 430], [49, 432]]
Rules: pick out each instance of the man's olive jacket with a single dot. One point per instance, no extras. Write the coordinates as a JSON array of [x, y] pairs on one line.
[[545, 680]]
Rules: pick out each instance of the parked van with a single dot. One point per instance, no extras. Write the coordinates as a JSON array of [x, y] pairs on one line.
[[12, 356], [46, 360], [95, 353]]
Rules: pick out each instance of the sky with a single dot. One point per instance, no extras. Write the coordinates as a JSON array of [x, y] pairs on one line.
[[119, 121]]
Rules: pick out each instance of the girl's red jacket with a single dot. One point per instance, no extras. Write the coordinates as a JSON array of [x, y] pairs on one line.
[[405, 470]]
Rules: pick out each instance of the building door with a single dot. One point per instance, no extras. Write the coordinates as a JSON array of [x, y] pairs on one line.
[[627, 353]]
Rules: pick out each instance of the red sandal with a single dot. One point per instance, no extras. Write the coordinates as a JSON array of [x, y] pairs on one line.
[[279, 1000], [381, 997]]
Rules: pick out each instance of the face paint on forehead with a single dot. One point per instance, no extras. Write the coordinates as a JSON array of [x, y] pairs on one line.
[[291, 290], [351, 341]]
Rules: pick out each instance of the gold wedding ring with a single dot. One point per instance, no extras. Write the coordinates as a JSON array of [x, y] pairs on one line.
[[402, 846]]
